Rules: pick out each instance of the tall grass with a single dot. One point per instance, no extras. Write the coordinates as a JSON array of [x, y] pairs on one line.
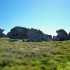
[[54, 55]]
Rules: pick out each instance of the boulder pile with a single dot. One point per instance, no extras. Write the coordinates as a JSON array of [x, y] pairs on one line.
[[34, 35], [29, 34]]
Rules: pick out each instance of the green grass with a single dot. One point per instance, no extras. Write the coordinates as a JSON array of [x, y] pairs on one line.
[[54, 55]]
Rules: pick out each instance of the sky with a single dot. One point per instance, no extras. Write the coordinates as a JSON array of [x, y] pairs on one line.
[[46, 15]]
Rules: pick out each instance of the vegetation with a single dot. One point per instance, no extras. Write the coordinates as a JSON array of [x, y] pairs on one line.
[[53, 55]]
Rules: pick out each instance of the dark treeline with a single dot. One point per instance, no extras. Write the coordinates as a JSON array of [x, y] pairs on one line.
[[23, 33]]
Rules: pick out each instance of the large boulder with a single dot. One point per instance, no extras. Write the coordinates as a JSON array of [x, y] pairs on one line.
[[34, 35], [37, 35], [62, 35], [1, 33], [18, 33]]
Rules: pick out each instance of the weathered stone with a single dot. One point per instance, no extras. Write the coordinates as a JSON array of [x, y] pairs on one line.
[[34, 35], [61, 35], [18, 33], [21, 33], [1, 33], [37, 35]]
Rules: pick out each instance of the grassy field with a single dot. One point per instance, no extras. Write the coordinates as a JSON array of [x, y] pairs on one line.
[[54, 55]]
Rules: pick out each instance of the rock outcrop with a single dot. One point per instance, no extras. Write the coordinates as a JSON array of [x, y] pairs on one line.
[[61, 35], [37, 35], [33, 35], [1, 33], [18, 33], [29, 34]]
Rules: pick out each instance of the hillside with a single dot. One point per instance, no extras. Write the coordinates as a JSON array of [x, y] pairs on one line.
[[54, 55]]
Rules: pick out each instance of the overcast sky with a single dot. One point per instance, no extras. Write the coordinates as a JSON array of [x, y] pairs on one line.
[[46, 15]]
